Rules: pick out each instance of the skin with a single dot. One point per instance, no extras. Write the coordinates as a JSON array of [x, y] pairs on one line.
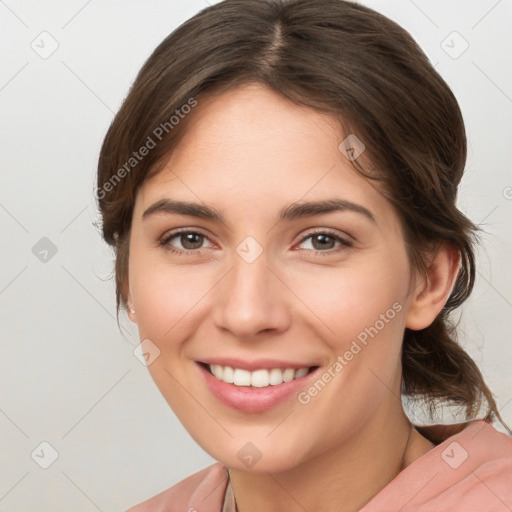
[[248, 153]]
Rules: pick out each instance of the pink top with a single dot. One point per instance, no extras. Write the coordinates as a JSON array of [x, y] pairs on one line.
[[469, 470]]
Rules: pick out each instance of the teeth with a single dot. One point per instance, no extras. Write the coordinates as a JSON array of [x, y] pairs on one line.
[[241, 378], [301, 372], [260, 379], [216, 370], [257, 378], [288, 374], [228, 374], [275, 376]]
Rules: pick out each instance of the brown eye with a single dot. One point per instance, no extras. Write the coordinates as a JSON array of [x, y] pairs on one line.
[[325, 243], [184, 241], [322, 241], [191, 240]]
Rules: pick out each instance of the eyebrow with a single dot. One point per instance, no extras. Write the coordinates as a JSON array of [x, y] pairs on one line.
[[291, 212]]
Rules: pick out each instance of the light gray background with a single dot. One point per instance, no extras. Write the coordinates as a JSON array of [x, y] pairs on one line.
[[68, 376]]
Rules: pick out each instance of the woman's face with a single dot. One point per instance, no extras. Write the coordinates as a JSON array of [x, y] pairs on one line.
[[266, 285]]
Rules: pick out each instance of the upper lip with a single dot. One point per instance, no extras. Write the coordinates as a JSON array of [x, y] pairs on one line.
[[256, 364]]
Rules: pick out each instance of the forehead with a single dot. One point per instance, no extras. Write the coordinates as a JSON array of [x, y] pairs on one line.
[[253, 149]]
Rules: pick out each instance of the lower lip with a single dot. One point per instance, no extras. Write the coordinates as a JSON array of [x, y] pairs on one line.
[[251, 399]]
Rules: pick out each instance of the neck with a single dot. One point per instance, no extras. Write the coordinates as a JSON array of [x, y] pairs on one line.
[[343, 479]]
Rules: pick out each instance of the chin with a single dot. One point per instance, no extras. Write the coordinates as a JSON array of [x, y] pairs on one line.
[[255, 457]]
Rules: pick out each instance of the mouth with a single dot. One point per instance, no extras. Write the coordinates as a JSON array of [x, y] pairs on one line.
[[260, 378], [258, 389]]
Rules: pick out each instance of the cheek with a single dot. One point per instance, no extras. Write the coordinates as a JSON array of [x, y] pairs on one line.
[[361, 310], [350, 300], [166, 297]]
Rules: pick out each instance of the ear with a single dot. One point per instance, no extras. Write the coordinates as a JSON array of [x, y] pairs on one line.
[[434, 289], [131, 310]]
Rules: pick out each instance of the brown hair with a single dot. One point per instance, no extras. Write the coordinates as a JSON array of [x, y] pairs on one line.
[[333, 56]]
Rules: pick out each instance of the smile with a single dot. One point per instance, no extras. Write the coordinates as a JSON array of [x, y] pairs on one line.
[[259, 386], [258, 378]]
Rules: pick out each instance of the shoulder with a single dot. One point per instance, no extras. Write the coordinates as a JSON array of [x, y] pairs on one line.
[[487, 453], [469, 470], [202, 491]]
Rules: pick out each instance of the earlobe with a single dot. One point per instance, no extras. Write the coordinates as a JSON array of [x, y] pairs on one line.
[[434, 289], [131, 313], [131, 310]]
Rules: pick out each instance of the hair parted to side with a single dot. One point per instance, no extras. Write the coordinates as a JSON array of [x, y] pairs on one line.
[[334, 56]]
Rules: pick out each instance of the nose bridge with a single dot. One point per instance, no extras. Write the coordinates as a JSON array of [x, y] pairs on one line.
[[251, 299]]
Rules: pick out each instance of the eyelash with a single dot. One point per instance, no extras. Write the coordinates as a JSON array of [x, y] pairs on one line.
[[345, 244]]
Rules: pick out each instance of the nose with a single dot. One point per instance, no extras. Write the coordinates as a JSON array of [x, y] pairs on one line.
[[252, 299]]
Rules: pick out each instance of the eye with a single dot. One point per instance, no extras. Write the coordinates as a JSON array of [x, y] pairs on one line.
[[190, 241], [323, 243]]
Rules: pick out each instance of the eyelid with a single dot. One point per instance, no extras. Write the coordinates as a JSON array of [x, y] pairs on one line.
[[177, 231], [328, 231], [191, 229]]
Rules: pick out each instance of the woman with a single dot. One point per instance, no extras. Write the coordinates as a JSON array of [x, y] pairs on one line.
[[279, 186]]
